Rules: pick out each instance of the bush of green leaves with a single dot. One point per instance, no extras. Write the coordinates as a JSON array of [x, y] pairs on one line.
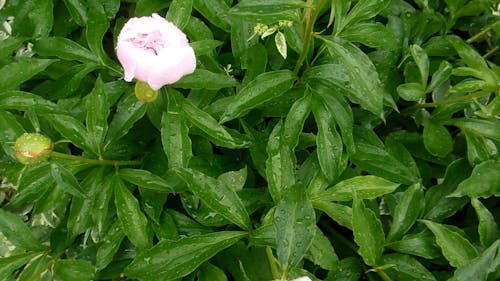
[[335, 139]]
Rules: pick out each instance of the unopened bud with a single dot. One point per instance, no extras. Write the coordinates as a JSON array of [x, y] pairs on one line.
[[32, 148], [144, 93]]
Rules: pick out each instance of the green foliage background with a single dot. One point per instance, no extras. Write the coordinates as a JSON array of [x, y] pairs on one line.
[[369, 153]]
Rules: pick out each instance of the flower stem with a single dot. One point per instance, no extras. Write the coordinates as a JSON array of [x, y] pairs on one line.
[[102, 162], [272, 263]]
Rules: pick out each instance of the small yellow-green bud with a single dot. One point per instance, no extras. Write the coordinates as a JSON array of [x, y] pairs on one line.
[[144, 93], [32, 148]]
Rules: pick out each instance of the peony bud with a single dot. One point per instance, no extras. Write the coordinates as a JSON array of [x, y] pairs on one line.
[[153, 50], [32, 148], [144, 93]]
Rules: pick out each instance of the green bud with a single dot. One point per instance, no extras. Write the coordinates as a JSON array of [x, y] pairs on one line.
[[32, 148], [144, 93]]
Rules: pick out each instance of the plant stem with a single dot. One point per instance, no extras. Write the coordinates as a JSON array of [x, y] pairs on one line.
[[482, 32], [454, 100], [102, 162], [383, 275], [272, 263]]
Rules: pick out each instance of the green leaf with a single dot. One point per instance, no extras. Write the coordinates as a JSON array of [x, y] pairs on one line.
[[66, 180], [280, 41], [128, 112], [406, 268], [17, 232], [364, 10], [74, 270], [411, 91], [349, 269], [263, 88], [483, 182], [10, 129], [205, 47], [374, 35], [65, 49], [456, 249], [175, 133], [97, 25], [109, 246], [266, 11], [209, 272], [422, 60], [321, 251], [379, 162], [482, 267], [179, 12], [473, 59], [25, 101], [489, 128], [172, 259], [488, 229], [364, 81], [366, 187], [341, 214], [217, 196], [69, 82], [295, 224], [279, 164], [77, 11], [215, 12], [35, 269], [9, 264], [146, 179], [15, 73], [437, 139], [234, 179], [368, 232], [70, 128], [328, 141], [34, 182], [421, 244], [133, 221], [97, 114], [442, 74], [205, 122], [409, 208], [204, 79], [337, 106]]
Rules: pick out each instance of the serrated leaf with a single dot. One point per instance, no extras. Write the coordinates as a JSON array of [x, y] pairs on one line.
[[172, 259], [66, 180], [17, 232], [368, 232], [133, 221], [217, 196], [483, 182], [295, 224], [366, 187], [407, 211], [456, 249], [263, 88]]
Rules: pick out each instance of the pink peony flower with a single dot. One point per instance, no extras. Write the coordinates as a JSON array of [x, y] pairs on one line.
[[153, 50]]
